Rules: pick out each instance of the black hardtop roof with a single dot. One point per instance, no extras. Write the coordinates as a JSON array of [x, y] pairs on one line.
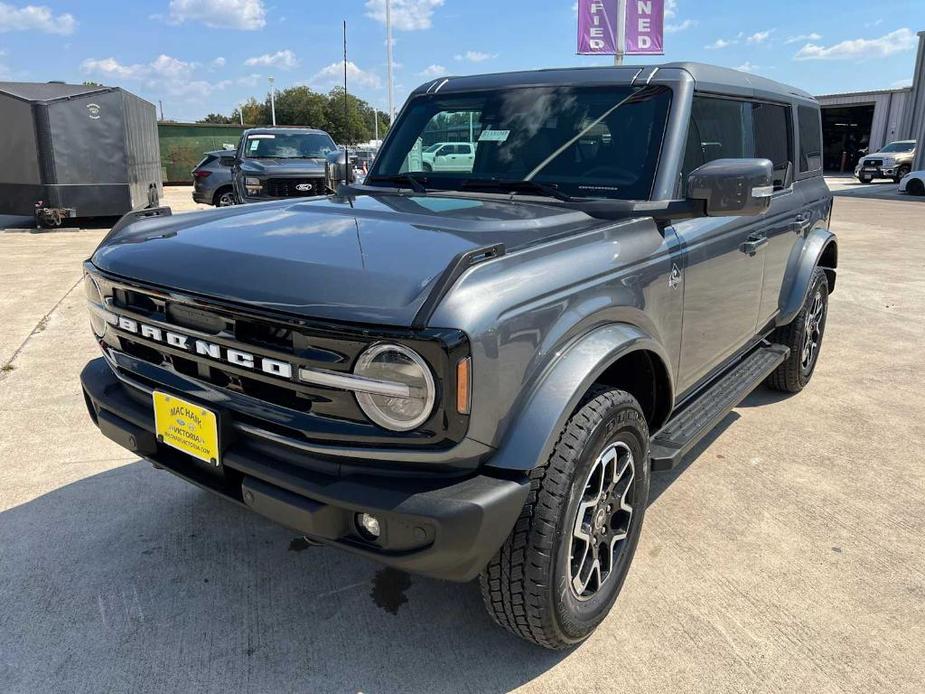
[[48, 91], [711, 78]]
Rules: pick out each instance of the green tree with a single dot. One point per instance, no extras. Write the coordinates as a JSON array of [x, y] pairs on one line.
[[300, 106], [217, 118]]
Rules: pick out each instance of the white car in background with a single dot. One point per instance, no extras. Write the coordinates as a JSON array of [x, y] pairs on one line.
[[449, 156], [913, 183]]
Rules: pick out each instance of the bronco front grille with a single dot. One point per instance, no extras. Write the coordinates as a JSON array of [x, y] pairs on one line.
[[294, 187], [319, 412]]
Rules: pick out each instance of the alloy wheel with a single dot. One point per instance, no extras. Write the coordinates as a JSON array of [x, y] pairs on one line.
[[602, 521], [812, 333]]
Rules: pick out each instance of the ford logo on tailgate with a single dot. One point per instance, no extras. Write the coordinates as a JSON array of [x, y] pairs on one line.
[[302, 187]]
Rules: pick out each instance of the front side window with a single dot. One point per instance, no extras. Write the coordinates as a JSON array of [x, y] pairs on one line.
[[288, 146], [583, 141], [734, 129], [810, 139]]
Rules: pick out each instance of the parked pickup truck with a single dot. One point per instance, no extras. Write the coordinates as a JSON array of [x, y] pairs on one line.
[[472, 374], [893, 161], [273, 163]]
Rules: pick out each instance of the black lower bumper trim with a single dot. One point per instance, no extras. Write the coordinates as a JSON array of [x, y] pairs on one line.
[[447, 529]]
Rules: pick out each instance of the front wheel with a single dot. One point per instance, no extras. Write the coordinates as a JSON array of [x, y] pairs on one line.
[[563, 565], [915, 187], [901, 173], [803, 335]]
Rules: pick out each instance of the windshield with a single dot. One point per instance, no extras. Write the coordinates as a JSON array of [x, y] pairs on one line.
[[288, 146], [899, 147], [579, 141]]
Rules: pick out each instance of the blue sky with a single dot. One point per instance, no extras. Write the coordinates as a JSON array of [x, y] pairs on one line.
[[199, 56]]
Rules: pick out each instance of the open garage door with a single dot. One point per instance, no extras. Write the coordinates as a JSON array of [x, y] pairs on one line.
[[845, 135]]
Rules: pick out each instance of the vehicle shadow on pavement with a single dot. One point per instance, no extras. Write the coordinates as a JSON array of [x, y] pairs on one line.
[[878, 190], [133, 580]]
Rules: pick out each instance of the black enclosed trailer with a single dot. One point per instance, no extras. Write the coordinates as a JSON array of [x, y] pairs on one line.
[[70, 150]]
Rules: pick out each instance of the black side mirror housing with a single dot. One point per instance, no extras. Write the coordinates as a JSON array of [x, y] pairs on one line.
[[732, 187], [338, 171]]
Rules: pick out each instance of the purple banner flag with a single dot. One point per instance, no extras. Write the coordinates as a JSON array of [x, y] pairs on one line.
[[597, 26], [645, 21]]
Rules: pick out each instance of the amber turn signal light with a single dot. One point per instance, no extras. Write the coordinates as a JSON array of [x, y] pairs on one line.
[[463, 385]]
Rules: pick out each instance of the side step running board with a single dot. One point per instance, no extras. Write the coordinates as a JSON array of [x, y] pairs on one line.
[[697, 419]]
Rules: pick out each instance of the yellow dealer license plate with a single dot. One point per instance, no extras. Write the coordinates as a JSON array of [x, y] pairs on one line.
[[186, 426]]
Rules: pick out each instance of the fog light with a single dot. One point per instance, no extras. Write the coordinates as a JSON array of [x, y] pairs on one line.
[[368, 526]]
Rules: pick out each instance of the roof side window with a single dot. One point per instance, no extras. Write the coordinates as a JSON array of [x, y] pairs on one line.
[[733, 129], [810, 139]]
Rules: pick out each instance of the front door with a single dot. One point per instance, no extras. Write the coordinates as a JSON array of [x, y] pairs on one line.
[[725, 258]]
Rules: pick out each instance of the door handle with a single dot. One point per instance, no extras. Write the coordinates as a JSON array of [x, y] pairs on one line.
[[753, 243]]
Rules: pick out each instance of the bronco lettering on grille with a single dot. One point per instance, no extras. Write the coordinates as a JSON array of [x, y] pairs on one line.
[[237, 357]]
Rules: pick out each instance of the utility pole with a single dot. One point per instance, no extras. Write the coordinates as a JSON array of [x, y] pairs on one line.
[[621, 32], [346, 109], [161, 104], [376, 121], [388, 43], [241, 113], [272, 102]]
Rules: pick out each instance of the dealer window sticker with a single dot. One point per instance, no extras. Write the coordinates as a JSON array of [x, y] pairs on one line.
[[494, 135]]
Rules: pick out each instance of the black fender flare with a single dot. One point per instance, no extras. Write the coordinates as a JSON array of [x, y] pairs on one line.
[[815, 245], [533, 434]]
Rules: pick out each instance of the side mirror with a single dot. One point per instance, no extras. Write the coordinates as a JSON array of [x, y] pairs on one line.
[[337, 170], [732, 187]]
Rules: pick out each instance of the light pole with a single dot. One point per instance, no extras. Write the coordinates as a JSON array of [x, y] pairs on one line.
[[388, 43], [272, 102]]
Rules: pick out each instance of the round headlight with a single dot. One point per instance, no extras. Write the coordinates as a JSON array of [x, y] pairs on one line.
[[95, 298], [396, 368]]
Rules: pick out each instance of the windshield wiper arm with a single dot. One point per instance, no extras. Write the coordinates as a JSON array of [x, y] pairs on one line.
[[518, 186], [407, 177]]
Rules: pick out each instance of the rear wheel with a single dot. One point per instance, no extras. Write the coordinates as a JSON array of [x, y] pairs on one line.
[[803, 335], [224, 197], [915, 187], [563, 565]]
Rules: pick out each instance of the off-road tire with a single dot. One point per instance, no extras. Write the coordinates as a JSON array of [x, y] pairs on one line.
[[525, 586], [792, 375]]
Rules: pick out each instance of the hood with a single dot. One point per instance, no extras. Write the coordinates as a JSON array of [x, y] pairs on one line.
[[282, 167], [370, 259]]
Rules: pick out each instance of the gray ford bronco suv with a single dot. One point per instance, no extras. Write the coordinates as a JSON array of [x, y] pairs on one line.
[[472, 373]]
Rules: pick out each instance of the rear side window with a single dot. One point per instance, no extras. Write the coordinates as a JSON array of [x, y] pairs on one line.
[[732, 129], [810, 139], [205, 160]]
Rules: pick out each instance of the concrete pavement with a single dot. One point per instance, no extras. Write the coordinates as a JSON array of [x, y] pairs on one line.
[[785, 554]]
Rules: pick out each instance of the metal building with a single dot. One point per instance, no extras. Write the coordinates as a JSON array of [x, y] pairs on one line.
[[858, 122]]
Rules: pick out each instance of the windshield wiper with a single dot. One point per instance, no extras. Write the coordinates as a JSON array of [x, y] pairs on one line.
[[517, 186], [407, 177]]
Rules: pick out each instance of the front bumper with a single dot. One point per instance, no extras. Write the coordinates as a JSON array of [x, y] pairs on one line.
[[885, 171], [444, 527]]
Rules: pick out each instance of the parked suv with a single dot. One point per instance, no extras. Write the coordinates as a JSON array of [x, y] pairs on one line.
[[893, 161], [274, 163], [473, 373], [212, 184]]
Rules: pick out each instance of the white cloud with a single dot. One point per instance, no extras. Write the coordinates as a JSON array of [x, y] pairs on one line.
[[759, 36], [680, 26], [284, 60], [334, 74], [248, 15], [407, 15], [719, 44], [476, 56], [164, 74], [811, 36], [433, 71], [218, 62], [251, 80], [748, 67], [895, 42], [671, 9], [35, 18]]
